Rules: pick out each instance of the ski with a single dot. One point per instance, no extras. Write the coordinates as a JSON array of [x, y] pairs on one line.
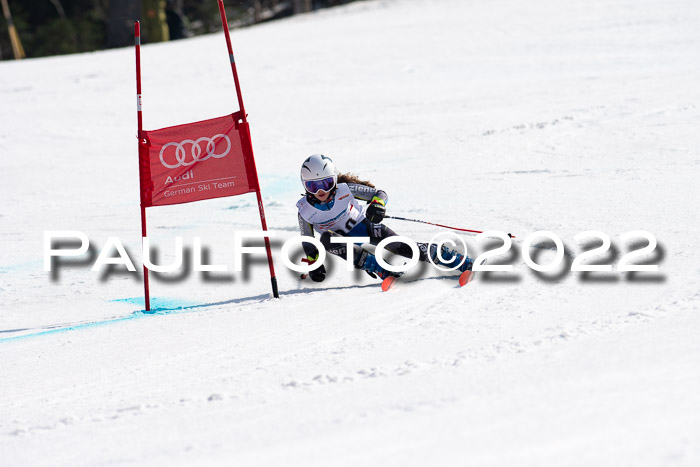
[[464, 278], [388, 283], [468, 276]]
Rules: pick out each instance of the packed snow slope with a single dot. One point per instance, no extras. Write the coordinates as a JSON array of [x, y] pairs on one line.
[[504, 115]]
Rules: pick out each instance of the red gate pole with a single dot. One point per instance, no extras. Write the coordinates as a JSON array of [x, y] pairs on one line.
[[246, 131], [137, 37]]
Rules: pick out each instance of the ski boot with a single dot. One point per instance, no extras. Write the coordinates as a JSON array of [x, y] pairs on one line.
[[449, 258], [368, 263]]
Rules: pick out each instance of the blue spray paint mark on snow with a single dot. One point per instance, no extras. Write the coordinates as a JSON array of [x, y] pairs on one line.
[[163, 307], [93, 324], [277, 191], [279, 186], [26, 266], [159, 306]]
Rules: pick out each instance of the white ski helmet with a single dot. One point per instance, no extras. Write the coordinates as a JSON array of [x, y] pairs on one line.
[[316, 172]]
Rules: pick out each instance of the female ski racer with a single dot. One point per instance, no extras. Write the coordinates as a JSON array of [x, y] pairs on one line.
[[331, 206]]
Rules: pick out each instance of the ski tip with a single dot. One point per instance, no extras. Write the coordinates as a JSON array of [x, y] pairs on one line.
[[465, 278], [388, 283]]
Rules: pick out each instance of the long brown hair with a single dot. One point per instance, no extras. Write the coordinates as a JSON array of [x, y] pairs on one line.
[[352, 178]]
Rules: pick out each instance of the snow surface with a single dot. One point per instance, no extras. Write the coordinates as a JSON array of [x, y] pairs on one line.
[[505, 115]]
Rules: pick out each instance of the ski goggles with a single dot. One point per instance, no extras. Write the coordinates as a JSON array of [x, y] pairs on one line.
[[314, 186]]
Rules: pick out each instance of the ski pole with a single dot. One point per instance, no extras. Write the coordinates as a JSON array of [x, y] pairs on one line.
[[438, 225]]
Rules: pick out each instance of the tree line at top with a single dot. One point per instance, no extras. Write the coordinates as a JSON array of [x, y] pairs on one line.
[[54, 27]]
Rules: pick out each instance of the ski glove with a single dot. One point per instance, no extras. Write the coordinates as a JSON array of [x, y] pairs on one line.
[[318, 275], [376, 210]]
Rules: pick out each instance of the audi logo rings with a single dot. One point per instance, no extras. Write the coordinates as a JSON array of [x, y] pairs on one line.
[[195, 151]]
